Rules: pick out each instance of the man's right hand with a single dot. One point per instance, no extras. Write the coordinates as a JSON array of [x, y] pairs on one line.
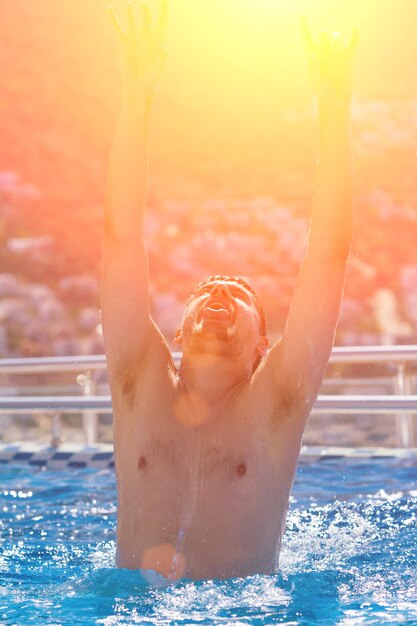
[[331, 66], [141, 54]]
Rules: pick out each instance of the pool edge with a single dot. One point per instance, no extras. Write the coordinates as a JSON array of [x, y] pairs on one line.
[[100, 456]]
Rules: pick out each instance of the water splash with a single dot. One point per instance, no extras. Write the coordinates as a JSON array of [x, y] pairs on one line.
[[348, 556]]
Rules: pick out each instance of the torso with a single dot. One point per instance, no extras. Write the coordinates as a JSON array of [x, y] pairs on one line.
[[203, 498]]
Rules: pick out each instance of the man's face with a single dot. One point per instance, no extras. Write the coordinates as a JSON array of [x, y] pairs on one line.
[[221, 318]]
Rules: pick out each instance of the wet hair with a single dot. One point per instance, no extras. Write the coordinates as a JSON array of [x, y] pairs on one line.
[[239, 281]]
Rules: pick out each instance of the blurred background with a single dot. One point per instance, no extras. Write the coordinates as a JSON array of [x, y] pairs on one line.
[[232, 158]]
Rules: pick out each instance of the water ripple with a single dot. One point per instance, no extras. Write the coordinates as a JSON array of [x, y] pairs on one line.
[[348, 555]]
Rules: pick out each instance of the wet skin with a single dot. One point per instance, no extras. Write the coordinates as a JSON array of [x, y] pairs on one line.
[[203, 487], [206, 455]]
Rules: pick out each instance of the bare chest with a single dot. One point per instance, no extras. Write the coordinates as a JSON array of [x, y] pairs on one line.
[[198, 463], [177, 454], [209, 490], [187, 474]]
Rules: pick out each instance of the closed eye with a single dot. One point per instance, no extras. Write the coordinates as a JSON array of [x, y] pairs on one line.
[[242, 295], [235, 291], [203, 290]]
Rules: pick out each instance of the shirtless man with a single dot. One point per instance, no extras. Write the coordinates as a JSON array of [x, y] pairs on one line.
[[206, 454]]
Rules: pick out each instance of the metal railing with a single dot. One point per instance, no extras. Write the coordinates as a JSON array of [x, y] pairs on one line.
[[402, 404]]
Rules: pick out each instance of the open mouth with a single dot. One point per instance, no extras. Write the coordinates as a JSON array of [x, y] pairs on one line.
[[216, 310]]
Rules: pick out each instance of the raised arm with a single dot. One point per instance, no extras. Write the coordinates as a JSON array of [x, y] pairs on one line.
[[128, 328], [300, 359]]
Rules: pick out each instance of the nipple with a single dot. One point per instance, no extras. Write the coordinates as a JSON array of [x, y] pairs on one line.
[[142, 463], [241, 469]]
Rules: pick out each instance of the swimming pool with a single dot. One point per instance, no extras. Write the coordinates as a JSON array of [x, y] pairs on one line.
[[349, 554]]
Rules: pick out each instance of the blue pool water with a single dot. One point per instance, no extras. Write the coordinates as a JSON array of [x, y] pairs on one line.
[[349, 555]]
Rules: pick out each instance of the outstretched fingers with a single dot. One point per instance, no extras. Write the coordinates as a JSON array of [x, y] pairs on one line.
[[327, 42], [120, 32], [309, 41], [131, 17], [336, 47], [162, 21], [353, 44], [145, 16], [145, 21]]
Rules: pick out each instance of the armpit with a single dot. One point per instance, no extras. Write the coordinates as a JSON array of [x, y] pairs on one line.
[[292, 398], [127, 379]]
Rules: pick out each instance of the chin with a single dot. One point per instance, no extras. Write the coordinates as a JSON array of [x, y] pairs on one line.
[[217, 341], [214, 332]]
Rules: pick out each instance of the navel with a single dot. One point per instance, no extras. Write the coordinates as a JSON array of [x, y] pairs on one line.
[[142, 463], [241, 470]]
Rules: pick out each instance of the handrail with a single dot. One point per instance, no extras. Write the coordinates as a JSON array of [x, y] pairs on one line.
[[45, 404], [355, 404], [403, 404], [373, 354], [339, 354], [51, 364]]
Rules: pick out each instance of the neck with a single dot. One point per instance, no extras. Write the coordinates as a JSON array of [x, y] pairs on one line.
[[212, 378]]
